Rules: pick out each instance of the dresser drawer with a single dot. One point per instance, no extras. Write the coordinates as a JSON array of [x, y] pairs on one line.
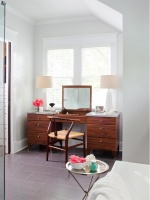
[[38, 117], [108, 131], [101, 120], [38, 125], [101, 143], [37, 138], [81, 118]]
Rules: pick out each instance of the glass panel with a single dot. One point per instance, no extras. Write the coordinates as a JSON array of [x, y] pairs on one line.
[[2, 93], [76, 97], [96, 61], [60, 66]]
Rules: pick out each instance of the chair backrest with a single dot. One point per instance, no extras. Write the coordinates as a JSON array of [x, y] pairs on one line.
[[52, 127]]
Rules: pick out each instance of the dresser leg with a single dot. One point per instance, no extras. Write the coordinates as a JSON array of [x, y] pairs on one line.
[[114, 154], [29, 147], [118, 148], [88, 151]]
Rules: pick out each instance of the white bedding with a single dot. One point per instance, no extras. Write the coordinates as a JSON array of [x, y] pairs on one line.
[[111, 187], [136, 177], [126, 181]]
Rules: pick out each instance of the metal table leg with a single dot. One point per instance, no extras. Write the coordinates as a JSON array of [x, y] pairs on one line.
[[89, 187]]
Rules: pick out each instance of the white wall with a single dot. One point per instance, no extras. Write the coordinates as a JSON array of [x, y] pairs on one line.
[[20, 33], [135, 78], [149, 79]]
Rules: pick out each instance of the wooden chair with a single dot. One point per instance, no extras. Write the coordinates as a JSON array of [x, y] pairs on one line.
[[63, 135]]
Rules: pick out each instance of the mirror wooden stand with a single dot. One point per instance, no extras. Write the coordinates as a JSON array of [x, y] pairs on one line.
[[76, 101]]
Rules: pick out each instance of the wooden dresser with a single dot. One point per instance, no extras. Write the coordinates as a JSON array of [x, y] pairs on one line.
[[37, 124], [102, 129], [103, 132]]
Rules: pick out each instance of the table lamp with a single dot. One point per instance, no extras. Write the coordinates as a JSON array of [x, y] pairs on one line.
[[109, 82], [44, 82]]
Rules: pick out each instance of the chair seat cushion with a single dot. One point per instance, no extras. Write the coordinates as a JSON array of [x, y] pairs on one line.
[[61, 135]]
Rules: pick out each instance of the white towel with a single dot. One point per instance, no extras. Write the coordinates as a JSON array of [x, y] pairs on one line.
[[111, 187]]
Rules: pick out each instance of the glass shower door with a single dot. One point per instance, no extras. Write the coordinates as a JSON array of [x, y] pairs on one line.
[[2, 101]]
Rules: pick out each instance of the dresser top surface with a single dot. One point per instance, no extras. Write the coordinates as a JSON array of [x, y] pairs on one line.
[[103, 114], [44, 112]]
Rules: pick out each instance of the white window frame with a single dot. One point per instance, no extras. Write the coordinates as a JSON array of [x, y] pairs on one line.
[[82, 41]]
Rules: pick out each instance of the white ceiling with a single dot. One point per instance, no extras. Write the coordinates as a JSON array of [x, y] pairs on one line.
[[50, 9], [60, 10]]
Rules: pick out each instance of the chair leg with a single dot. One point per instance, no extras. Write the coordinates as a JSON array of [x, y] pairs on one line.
[[60, 143], [47, 151], [66, 151], [84, 148]]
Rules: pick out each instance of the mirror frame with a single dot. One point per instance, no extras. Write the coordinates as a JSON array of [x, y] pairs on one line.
[[80, 109]]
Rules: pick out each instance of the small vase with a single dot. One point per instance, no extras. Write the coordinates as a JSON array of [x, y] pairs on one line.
[[52, 109], [36, 109], [40, 109], [93, 166]]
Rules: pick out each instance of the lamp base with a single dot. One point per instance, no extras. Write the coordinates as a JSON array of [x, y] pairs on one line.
[[45, 99], [108, 105]]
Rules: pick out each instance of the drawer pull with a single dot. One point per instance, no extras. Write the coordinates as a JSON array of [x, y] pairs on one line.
[[38, 124], [38, 117], [100, 128], [38, 136], [100, 141]]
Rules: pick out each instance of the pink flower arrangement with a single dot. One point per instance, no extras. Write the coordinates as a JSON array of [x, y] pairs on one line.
[[38, 102], [76, 159]]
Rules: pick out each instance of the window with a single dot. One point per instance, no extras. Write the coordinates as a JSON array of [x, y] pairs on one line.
[[96, 61], [60, 66], [79, 60]]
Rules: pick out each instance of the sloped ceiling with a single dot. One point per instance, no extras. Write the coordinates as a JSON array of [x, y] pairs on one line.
[[60, 10], [105, 13]]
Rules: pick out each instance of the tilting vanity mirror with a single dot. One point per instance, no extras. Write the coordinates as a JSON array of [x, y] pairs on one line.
[[76, 99]]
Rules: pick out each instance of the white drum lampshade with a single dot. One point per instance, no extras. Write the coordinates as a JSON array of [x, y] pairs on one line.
[[44, 82], [108, 82]]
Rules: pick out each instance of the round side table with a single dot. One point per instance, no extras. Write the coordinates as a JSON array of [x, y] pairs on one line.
[[102, 168]]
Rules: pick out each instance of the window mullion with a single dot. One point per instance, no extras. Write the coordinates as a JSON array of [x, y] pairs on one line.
[[77, 65]]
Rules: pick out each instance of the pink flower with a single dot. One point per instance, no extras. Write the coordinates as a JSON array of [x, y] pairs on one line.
[[76, 159], [38, 102]]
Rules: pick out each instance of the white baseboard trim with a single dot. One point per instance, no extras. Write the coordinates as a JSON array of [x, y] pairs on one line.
[[18, 145], [22, 144], [1, 142], [120, 145]]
